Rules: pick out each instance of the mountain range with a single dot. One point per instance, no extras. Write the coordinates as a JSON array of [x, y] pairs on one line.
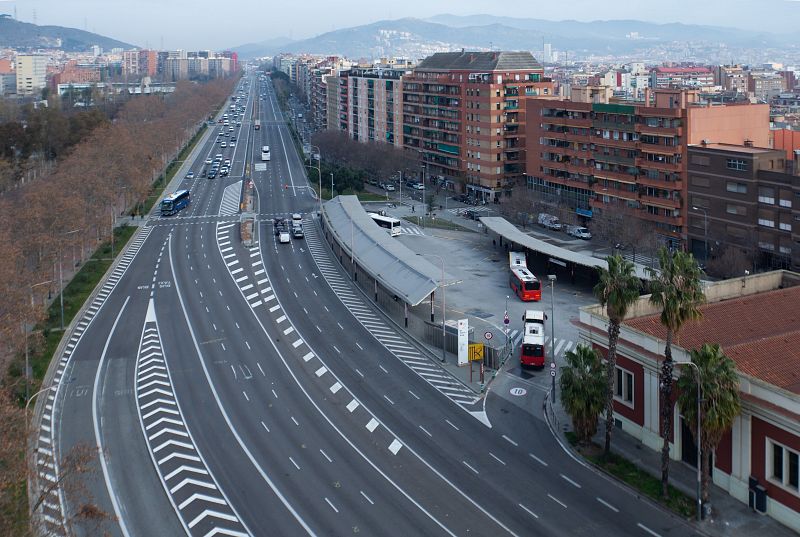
[[416, 38], [23, 35]]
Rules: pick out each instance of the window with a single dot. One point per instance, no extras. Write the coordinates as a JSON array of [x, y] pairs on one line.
[[739, 188], [700, 160], [737, 164], [784, 466], [766, 195], [700, 181], [766, 222], [623, 386], [736, 209], [785, 226]]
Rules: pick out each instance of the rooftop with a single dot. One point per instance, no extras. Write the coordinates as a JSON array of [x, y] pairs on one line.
[[678, 70], [479, 61], [734, 148], [764, 346]]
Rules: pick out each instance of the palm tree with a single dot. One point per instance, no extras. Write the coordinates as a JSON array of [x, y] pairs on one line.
[[677, 291], [617, 290], [583, 390], [719, 406]]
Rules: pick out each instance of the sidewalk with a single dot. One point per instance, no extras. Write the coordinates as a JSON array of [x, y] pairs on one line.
[[730, 517]]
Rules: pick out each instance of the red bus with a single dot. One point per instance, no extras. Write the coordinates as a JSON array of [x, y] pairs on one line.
[[532, 352], [525, 285]]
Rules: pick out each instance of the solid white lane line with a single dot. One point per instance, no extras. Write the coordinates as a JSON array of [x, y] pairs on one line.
[[559, 502], [568, 480], [601, 500], [648, 530]]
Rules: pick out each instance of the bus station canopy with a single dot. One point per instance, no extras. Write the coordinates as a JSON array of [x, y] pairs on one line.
[[407, 275], [512, 234]]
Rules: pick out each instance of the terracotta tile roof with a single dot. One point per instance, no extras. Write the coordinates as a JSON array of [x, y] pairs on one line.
[[761, 332]]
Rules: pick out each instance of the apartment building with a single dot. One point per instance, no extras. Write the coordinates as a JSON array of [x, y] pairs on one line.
[[31, 73], [740, 197], [765, 85], [464, 113], [375, 105], [598, 155], [681, 77]]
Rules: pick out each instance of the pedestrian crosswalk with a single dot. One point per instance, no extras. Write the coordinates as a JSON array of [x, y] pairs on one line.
[[562, 345], [390, 338], [411, 230], [477, 209], [230, 199]]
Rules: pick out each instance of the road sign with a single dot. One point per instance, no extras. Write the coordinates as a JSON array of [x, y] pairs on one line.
[[488, 335], [475, 352], [519, 392], [552, 372], [506, 319], [552, 365]]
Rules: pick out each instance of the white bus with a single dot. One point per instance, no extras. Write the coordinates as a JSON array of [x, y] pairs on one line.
[[265, 153], [392, 225]]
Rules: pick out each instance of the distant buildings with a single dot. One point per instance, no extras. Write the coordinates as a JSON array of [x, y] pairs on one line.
[[31, 71], [692, 77]]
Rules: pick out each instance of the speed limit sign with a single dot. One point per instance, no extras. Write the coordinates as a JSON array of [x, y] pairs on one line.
[[488, 335]]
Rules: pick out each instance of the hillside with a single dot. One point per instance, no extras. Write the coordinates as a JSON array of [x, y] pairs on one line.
[[23, 35]]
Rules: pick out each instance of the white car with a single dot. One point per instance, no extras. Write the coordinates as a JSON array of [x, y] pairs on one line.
[[581, 233], [224, 144], [209, 160], [284, 237]]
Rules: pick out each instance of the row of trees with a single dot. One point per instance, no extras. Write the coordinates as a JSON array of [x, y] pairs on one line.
[[588, 388], [47, 222]]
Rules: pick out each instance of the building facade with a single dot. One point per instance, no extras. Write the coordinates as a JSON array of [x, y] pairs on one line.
[[763, 444], [740, 197], [464, 113], [681, 77], [31, 73], [599, 155], [375, 105]]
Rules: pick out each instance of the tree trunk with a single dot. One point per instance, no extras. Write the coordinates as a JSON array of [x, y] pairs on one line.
[[705, 469], [611, 364], [666, 413]]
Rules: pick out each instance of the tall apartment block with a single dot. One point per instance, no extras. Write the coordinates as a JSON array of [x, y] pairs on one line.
[[464, 112], [741, 197], [598, 155], [31, 73]]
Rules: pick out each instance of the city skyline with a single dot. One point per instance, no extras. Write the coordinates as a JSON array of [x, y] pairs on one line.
[[190, 25]]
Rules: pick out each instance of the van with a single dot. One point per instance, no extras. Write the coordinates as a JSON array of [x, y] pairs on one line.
[[549, 221]]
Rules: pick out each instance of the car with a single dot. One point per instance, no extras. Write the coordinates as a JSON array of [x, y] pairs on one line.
[[224, 171], [418, 186], [233, 138], [549, 221], [581, 233], [218, 157], [389, 187], [209, 160], [297, 232], [212, 173], [284, 237], [224, 144], [238, 123], [232, 144], [227, 163], [190, 175]]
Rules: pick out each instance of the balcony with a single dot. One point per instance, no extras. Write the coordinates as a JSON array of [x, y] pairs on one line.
[[614, 125], [656, 165], [615, 176], [660, 183], [617, 159], [608, 142], [579, 153], [659, 131], [658, 201], [567, 121], [659, 149], [660, 218]]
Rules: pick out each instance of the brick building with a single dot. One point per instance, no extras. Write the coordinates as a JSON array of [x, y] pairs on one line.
[[683, 77], [764, 442], [740, 197], [598, 155], [464, 112]]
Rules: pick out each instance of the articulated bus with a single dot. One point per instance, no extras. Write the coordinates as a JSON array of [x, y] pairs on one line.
[[265, 153], [174, 202], [392, 225], [532, 351], [521, 280]]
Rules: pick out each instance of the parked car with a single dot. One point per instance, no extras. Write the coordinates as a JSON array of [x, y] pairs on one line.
[[389, 187], [581, 233]]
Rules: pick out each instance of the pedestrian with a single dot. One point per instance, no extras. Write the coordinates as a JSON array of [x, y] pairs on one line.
[[412, 208]]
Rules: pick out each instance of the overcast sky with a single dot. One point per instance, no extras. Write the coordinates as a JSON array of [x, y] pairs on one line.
[[215, 24]]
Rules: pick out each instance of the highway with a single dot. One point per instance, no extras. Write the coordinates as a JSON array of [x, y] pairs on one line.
[[258, 392]]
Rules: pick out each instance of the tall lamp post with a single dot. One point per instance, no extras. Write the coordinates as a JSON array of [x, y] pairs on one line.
[[444, 305], [699, 448], [319, 171], [705, 230], [552, 278], [31, 398]]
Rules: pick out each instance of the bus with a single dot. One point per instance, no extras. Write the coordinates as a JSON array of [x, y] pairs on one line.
[[174, 202], [392, 225], [257, 125], [521, 280], [265, 153], [532, 352]]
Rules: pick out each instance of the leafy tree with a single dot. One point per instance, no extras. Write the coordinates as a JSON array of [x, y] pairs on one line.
[[719, 406], [676, 289], [583, 390], [617, 290]]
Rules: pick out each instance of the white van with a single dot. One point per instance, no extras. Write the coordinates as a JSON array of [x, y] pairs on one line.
[[549, 221]]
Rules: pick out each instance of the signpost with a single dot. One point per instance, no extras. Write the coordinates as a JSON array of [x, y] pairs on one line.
[[463, 341]]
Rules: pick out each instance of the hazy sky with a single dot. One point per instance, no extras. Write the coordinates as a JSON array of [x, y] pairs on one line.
[[215, 24]]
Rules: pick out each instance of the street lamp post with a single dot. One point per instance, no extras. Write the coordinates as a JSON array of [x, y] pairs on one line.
[[552, 278], [400, 190], [319, 172], [31, 398], [331, 185], [705, 230], [697, 441], [444, 305]]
